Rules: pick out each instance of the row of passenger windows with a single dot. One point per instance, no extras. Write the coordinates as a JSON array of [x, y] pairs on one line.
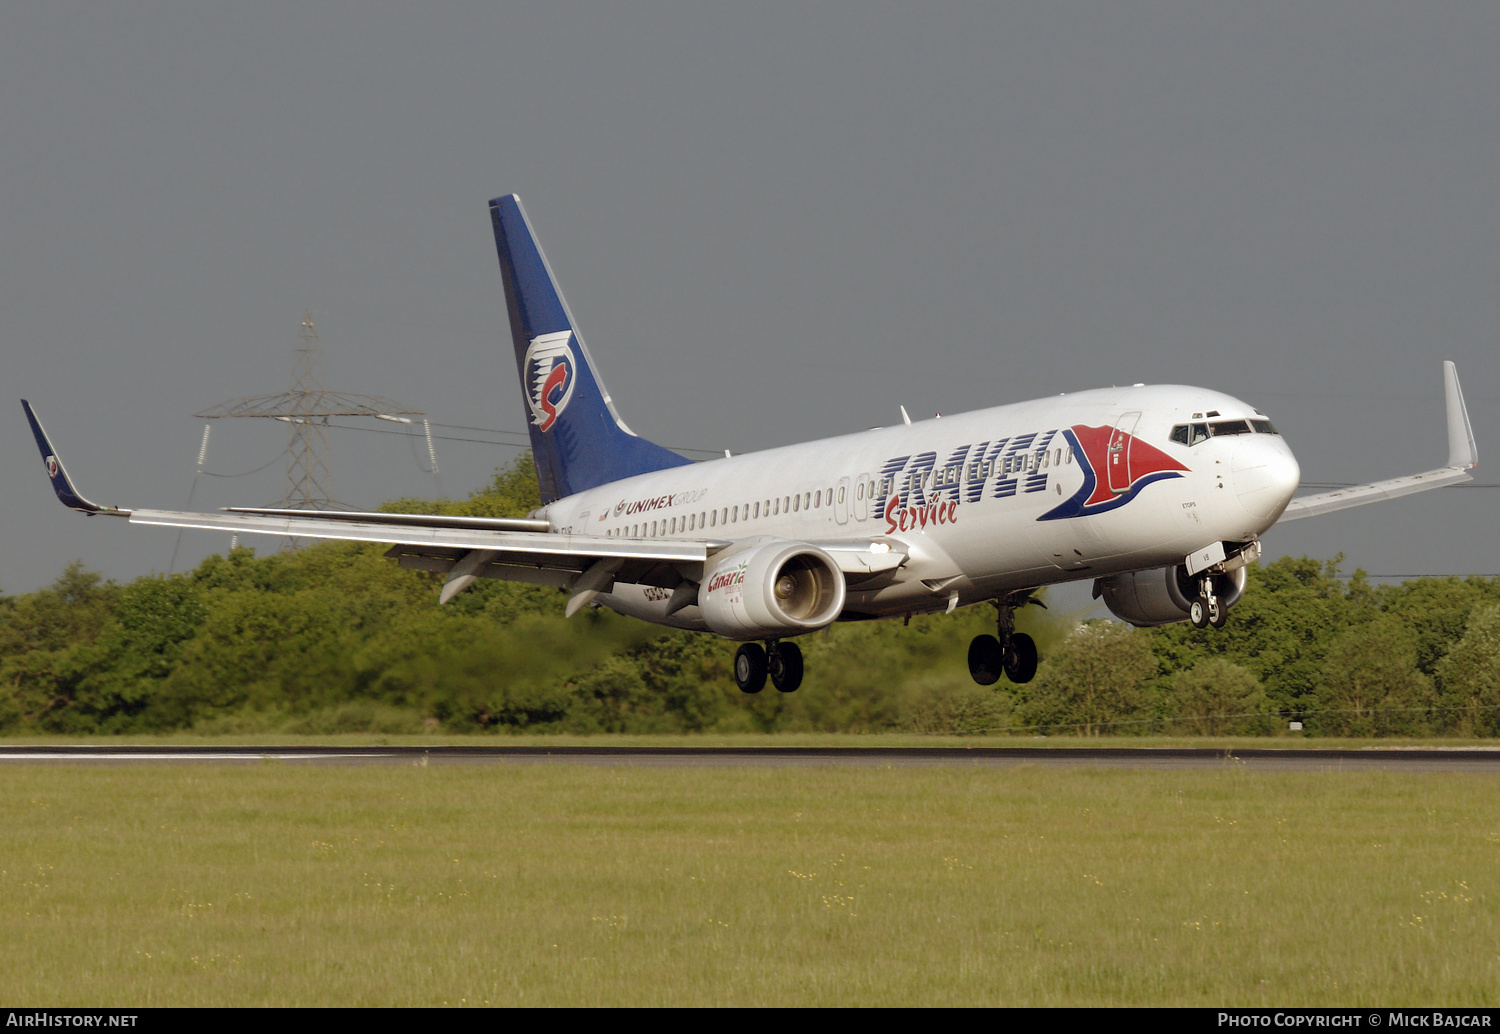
[[975, 470], [1192, 434], [865, 489], [727, 515]]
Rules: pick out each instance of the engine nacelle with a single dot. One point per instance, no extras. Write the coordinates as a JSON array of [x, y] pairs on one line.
[[1164, 595], [770, 591]]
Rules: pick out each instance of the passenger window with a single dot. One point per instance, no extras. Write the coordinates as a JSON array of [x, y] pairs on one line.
[[724, 517], [713, 518], [1179, 434], [818, 499], [841, 493], [796, 504], [807, 501]]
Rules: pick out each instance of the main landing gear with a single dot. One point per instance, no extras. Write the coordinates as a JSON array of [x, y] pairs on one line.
[[1207, 609], [781, 661], [1011, 652]]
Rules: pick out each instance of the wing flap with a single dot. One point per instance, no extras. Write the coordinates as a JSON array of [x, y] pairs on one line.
[[421, 519], [524, 547]]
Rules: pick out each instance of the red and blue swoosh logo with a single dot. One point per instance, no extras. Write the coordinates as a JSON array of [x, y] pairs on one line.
[[1116, 467]]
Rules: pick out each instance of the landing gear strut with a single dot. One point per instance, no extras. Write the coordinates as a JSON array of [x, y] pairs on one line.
[[782, 661], [1207, 609], [1011, 652]]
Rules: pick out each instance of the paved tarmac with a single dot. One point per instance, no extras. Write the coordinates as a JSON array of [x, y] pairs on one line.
[[1407, 759]]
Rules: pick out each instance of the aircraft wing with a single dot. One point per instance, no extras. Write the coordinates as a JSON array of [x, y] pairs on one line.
[[469, 548], [1462, 457]]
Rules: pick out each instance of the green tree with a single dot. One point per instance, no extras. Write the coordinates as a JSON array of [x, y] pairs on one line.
[[48, 648], [1218, 698], [1370, 684], [1101, 675], [1469, 677], [136, 651], [1293, 608]]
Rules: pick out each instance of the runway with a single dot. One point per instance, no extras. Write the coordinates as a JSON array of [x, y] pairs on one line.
[[1411, 759]]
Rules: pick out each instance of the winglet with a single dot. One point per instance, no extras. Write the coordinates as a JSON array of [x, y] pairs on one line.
[[1461, 449], [61, 483]]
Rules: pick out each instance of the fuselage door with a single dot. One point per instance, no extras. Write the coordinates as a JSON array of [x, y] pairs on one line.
[[1118, 455], [841, 501]]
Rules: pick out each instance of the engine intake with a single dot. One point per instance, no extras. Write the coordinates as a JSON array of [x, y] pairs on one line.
[[770, 591], [1164, 595]]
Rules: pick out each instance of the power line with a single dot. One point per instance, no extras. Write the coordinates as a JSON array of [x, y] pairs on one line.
[[307, 408]]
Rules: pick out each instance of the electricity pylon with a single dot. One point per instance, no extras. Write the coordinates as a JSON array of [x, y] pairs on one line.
[[308, 407]]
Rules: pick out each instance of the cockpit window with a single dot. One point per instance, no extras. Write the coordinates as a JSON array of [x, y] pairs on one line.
[[1192, 434]]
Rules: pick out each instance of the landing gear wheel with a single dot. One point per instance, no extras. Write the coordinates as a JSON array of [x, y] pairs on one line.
[[986, 660], [1020, 658], [1218, 614], [750, 668], [1198, 613], [785, 664]]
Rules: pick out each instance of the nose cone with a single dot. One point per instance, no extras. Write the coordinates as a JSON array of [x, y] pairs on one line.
[[1264, 475]]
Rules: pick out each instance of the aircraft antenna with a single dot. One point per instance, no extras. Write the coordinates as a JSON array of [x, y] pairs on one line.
[[307, 408]]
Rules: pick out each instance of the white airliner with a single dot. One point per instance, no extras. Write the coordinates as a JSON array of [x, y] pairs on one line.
[[1158, 493]]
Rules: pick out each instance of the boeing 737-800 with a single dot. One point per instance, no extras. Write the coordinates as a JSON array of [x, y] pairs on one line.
[[1160, 494]]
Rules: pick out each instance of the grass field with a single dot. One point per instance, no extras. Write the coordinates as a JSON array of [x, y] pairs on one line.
[[554, 884], [1293, 741]]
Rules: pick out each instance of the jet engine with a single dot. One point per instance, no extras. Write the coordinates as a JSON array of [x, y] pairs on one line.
[[772, 590], [1164, 595]]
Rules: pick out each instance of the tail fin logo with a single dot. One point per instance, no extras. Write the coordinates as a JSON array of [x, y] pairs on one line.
[[550, 372], [52, 466]]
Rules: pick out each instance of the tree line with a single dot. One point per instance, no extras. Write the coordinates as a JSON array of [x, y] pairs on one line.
[[335, 638]]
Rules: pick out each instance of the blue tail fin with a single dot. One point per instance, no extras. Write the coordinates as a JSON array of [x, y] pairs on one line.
[[576, 437]]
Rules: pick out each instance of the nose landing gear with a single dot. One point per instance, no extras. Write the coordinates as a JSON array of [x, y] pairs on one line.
[[781, 661], [1207, 609]]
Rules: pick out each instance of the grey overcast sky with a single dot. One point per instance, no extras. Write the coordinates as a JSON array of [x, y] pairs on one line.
[[774, 223]]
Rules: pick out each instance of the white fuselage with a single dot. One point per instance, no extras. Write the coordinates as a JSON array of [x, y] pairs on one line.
[[984, 503]]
